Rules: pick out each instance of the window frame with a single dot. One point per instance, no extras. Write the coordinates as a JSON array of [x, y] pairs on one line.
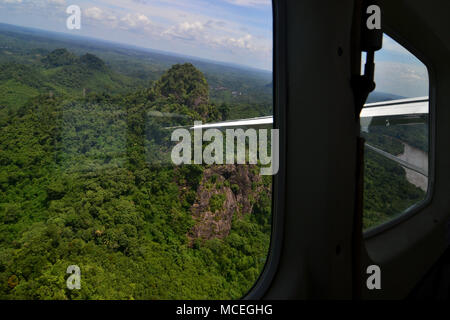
[[279, 79], [418, 207]]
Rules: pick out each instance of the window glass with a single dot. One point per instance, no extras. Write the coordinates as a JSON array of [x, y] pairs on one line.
[[121, 175], [395, 125]]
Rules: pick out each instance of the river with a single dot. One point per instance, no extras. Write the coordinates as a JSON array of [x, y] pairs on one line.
[[418, 158]]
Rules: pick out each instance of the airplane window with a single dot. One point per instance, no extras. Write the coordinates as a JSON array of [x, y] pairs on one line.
[[135, 148], [395, 125]]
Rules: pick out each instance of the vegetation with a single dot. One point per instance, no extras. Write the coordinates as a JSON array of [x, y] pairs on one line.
[[85, 181], [387, 192]]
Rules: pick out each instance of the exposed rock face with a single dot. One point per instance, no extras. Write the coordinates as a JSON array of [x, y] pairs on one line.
[[223, 192]]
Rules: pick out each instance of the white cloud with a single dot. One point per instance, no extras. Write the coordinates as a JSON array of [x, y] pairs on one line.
[[186, 31], [213, 35], [94, 13], [130, 21], [408, 80], [136, 20], [244, 42]]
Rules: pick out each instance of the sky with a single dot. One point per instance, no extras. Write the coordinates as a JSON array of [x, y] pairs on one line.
[[233, 31], [399, 72]]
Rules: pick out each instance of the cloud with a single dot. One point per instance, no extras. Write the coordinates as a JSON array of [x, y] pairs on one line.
[[94, 13], [130, 21], [244, 42], [212, 35], [408, 80], [136, 20], [186, 31]]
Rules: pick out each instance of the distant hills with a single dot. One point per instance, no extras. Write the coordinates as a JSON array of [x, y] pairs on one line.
[[60, 72], [116, 68], [62, 57], [59, 58]]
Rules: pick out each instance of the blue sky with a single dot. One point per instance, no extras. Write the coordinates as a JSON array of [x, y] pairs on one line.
[[236, 31]]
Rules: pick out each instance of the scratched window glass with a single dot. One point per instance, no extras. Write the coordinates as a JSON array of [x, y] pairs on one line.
[[395, 125], [136, 148]]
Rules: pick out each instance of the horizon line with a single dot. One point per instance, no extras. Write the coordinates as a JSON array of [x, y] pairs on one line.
[[168, 53]]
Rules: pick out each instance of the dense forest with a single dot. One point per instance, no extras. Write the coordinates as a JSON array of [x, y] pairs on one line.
[[387, 192], [86, 179]]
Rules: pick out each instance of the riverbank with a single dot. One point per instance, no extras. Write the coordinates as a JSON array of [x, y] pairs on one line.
[[419, 159]]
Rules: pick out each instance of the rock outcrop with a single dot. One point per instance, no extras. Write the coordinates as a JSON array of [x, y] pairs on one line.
[[224, 192]]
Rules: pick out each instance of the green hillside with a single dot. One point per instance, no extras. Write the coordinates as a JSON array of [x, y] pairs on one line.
[[80, 184]]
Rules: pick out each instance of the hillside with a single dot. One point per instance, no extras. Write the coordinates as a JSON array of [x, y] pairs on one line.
[[81, 183], [243, 91], [60, 72]]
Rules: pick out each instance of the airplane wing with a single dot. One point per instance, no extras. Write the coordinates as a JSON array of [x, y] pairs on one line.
[[399, 112], [242, 123], [402, 111]]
